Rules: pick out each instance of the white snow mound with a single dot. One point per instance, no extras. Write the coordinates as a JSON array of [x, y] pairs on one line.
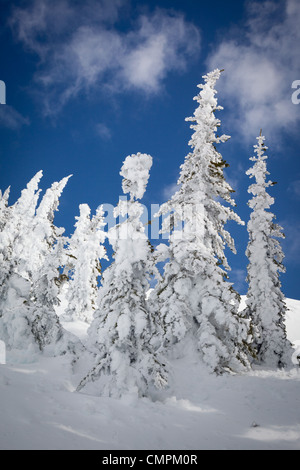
[[40, 409]]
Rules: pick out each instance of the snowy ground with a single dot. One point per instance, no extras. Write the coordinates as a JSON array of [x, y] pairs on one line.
[[261, 410]]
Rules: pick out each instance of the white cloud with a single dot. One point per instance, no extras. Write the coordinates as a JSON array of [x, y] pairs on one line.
[[40, 21], [42, 24], [260, 65], [170, 190], [11, 118], [90, 58], [85, 48], [162, 43], [145, 66]]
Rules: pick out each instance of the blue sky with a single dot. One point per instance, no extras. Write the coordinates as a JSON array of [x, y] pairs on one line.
[[90, 82]]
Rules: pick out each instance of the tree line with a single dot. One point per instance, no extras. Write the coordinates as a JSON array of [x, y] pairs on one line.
[[133, 331]]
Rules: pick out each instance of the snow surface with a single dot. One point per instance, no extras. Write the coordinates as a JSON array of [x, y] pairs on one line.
[[40, 409]]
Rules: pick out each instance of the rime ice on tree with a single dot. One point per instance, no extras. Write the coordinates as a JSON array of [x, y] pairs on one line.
[[121, 331], [265, 301], [193, 298], [15, 275], [29, 277], [84, 252]]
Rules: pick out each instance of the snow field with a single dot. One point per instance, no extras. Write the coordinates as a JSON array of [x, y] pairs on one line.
[[40, 409]]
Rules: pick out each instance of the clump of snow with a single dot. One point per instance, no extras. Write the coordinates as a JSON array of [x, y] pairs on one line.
[[135, 171]]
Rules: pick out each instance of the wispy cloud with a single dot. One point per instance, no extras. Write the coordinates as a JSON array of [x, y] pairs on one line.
[[261, 62], [11, 118], [170, 190], [42, 25], [290, 244], [80, 47], [238, 278], [103, 131], [234, 176], [160, 44], [294, 189]]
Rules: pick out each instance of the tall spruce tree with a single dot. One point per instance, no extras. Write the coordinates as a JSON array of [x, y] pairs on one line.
[[265, 302], [121, 331], [194, 297]]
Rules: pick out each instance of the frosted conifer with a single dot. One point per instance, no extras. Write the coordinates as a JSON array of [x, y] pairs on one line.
[[46, 328], [120, 332], [194, 298], [15, 285], [265, 302], [29, 286], [4, 209], [85, 251]]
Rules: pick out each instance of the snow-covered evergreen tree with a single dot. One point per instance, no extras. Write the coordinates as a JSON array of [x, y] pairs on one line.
[[85, 251], [4, 209], [48, 333], [43, 230], [265, 302], [14, 239], [14, 284], [194, 298], [29, 246], [5, 248], [121, 330]]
